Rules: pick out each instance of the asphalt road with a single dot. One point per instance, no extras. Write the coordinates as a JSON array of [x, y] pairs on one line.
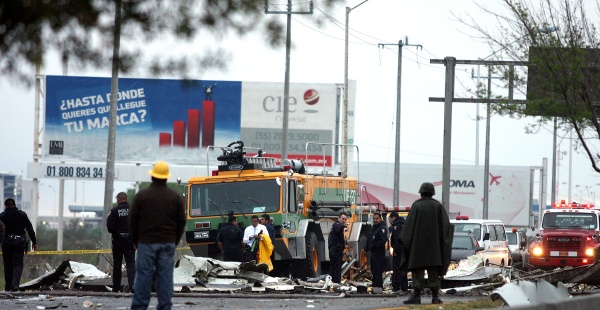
[[79, 300]]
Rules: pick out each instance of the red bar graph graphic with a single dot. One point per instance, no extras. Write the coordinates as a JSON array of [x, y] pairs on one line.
[[179, 133], [193, 128], [208, 123], [164, 139]]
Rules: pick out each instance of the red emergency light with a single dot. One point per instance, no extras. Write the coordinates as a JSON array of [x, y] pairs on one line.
[[462, 217], [572, 205]]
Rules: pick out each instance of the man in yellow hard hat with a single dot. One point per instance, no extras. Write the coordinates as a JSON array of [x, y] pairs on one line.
[[156, 224]]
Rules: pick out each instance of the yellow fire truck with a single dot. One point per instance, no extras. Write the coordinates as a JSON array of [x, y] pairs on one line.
[[302, 205]]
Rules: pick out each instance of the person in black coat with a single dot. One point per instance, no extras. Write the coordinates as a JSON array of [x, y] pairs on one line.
[[399, 278], [265, 219], [427, 244], [336, 244], [376, 245], [16, 223], [231, 241], [117, 225]]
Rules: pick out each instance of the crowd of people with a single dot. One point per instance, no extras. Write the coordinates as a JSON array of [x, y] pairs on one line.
[[420, 243], [146, 234]]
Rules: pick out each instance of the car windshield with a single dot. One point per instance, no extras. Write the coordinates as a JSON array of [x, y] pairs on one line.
[[462, 243], [474, 228], [512, 238], [570, 220], [259, 196]]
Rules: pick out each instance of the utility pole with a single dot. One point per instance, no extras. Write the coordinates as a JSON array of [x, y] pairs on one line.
[[398, 109], [286, 88]]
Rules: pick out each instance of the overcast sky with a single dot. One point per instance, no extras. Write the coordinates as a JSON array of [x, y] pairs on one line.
[[318, 56]]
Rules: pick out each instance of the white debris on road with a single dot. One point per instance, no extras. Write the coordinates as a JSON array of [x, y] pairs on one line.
[[465, 267]]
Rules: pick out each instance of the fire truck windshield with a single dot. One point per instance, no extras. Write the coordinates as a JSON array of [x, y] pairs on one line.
[[512, 238], [217, 199], [570, 220]]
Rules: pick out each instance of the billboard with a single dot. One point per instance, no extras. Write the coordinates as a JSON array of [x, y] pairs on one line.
[[175, 120], [509, 188]]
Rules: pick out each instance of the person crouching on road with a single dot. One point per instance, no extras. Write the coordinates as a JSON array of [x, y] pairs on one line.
[[427, 242], [156, 224], [118, 225]]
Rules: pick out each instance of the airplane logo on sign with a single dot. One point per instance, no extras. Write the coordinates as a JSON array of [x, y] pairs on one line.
[[495, 179]]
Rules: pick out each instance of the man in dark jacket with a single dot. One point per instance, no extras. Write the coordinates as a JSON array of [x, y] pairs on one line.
[[14, 244], [376, 245], [231, 241], [399, 279], [156, 224], [336, 244], [427, 241], [265, 219], [118, 225]]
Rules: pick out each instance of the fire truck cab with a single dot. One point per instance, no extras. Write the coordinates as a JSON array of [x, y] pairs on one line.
[[569, 236], [302, 205]]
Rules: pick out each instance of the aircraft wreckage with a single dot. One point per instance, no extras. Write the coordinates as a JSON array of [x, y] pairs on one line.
[[197, 274]]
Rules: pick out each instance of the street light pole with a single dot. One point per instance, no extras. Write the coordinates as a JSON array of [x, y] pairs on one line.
[[345, 119]]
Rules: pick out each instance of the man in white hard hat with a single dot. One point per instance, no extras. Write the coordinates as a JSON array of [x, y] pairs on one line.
[[156, 224]]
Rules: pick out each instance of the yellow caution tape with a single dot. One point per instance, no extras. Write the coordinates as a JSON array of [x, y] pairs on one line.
[[69, 252], [99, 251]]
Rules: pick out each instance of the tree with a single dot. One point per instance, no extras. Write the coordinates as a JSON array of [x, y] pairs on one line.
[[562, 76], [81, 30]]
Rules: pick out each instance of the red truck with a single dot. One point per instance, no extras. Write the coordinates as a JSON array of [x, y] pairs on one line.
[[569, 236]]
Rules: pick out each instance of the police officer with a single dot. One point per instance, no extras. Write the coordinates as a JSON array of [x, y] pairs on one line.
[[231, 241], [399, 279], [16, 223], [117, 225], [336, 246], [376, 245]]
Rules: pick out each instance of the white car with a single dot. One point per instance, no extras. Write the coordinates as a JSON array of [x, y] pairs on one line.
[[491, 235]]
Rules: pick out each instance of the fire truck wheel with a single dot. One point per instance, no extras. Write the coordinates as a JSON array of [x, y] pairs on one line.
[[309, 267]]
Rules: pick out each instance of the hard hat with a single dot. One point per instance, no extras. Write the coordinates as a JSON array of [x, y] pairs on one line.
[[427, 187], [160, 170]]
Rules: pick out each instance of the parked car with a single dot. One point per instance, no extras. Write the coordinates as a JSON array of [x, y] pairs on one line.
[[517, 242], [491, 235], [464, 245]]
